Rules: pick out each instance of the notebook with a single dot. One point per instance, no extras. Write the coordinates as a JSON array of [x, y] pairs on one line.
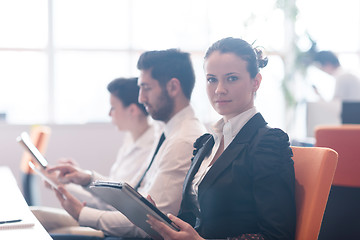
[[7, 224]]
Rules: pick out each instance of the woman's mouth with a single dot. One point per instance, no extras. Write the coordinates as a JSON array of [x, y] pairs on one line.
[[221, 102]]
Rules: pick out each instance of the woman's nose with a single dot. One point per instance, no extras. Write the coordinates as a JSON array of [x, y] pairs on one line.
[[110, 112], [220, 88]]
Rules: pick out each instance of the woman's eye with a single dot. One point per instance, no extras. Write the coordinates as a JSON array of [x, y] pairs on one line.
[[211, 80], [233, 78]]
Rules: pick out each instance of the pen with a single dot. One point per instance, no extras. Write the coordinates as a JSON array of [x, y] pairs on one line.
[[10, 221]]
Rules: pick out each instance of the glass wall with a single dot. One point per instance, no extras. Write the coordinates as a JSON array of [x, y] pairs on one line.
[[57, 56]]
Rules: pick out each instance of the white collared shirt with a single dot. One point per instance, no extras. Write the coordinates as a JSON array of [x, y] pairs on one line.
[[129, 163], [131, 157], [228, 130], [347, 86], [164, 180]]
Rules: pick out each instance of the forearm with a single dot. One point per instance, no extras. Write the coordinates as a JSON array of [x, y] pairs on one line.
[[85, 195], [112, 223], [96, 201]]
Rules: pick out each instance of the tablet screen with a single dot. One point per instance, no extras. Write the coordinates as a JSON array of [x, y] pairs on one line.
[[25, 140]]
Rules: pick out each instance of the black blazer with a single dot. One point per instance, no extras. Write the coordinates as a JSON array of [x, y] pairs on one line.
[[249, 189]]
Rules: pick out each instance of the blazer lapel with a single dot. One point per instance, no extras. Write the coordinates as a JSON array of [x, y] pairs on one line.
[[232, 151], [198, 158]]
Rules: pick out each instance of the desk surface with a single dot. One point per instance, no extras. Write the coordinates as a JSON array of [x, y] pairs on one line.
[[13, 205]]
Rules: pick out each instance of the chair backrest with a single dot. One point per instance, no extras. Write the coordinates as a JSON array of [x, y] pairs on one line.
[[39, 135], [314, 171], [345, 140]]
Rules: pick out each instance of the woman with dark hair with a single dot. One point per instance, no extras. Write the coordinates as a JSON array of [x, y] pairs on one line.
[[241, 184], [131, 118]]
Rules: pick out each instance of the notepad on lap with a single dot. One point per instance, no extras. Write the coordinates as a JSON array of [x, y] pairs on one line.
[[132, 204]]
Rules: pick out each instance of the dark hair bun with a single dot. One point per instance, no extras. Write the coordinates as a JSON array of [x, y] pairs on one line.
[[262, 61]]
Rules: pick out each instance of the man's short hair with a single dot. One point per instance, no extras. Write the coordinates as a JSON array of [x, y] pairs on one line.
[[326, 57], [168, 64]]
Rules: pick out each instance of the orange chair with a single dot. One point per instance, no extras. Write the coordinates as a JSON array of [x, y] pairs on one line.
[[314, 171], [341, 217], [345, 140], [39, 136]]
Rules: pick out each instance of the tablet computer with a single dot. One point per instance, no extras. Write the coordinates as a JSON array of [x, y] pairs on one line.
[[25, 141], [43, 176], [132, 204]]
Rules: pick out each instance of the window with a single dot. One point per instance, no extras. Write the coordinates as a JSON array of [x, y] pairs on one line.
[[57, 56], [336, 28]]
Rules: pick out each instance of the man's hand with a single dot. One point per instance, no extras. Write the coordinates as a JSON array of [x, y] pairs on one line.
[[71, 204], [72, 174]]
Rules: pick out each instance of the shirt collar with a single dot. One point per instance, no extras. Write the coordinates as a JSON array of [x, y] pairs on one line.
[[233, 126], [177, 119], [338, 72], [144, 138]]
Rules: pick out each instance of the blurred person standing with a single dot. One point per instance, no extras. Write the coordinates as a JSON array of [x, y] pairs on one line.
[[347, 86]]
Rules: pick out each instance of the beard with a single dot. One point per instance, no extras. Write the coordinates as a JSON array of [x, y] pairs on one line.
[[165, 107]]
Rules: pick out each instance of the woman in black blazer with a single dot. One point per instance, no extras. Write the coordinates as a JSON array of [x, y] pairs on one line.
[[241, 183]]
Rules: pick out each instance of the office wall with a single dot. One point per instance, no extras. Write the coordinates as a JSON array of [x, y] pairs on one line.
[[93, 146], [322, 113]]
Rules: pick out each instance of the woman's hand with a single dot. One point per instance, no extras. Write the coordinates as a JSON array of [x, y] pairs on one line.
[[52, 176], [186, 231], [148, 197], [68, 161], [71, 204], [71, 174]]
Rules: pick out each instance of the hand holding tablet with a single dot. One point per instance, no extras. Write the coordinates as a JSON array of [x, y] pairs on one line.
[[43, 176], [25, 141], [46, 178], [132, 204]]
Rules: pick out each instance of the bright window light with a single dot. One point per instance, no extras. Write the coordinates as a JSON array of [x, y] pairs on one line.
[[57, 56]]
